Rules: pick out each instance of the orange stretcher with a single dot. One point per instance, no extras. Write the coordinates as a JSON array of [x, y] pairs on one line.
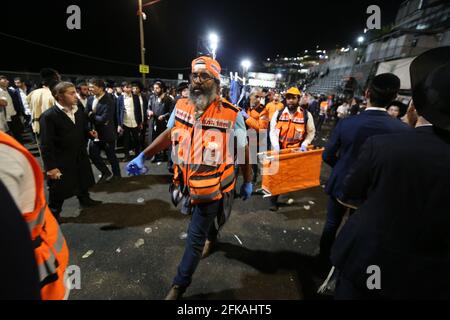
[[290, 170]]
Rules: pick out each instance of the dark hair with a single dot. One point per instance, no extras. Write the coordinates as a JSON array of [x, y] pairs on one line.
[[161, 84], [3, 77], [125, 84], [18, 79], [138, 84], [401, 107], [81, 84], [384, 89], [98, 83], [182, 86]]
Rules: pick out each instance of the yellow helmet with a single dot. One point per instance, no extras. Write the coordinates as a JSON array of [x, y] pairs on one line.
[[294, 91]]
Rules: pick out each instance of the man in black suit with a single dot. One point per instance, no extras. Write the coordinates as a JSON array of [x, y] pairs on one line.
[[100, 110], [400, 185], [344, 145], [15, 111], [64, 132], [138, 89], [130, 115]]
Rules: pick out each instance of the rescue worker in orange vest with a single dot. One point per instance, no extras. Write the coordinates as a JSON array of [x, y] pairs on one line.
[[256, 118], [22, 176], [275, 105], [201, 135], [323, 114], [292, 127]]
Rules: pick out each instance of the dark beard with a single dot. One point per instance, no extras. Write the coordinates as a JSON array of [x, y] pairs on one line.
[[202, 99]]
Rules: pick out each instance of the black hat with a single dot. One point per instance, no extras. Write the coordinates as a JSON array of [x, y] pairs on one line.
[[182, 86], [430, 77]]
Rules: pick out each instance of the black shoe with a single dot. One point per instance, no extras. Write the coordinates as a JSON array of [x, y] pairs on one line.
[[274, 208], [105, 178], [175, 293], [88, 203]]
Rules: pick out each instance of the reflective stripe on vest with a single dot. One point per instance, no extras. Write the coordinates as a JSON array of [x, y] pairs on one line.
[[38, 221], [206, 180], [292, 131], [50, 248]]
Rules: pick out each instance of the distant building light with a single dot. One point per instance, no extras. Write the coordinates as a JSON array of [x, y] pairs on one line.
[[268, 59], [306, 51], [422, 26]]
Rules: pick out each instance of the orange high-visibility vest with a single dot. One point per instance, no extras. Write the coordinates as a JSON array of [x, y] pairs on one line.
[[292, 131], [205, 165], [323, 107], [50, 248], [259, 118]]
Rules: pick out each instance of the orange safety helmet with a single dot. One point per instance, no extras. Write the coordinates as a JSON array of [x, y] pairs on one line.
[[294, 91]]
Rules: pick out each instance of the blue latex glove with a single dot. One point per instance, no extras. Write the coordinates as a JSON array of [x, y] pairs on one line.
[[246, 191], [136, 167], [303, 148], [244, 114]]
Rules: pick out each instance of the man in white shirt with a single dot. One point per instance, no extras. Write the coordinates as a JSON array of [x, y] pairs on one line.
[[130, 120], [42, 99], [14, 108], [342, 110], [22, 90]]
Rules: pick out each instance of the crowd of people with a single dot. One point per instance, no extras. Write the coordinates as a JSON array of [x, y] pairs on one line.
[[390, 178]]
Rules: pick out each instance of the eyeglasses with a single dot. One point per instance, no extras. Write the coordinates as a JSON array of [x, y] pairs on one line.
[[201, 76]]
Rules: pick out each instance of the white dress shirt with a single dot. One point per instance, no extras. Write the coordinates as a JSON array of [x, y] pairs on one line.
[[26, 106], [129, 120], [69, 113], [95, 102], [17, 175]]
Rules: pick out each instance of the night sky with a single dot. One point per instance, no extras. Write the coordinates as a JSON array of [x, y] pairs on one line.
[[247, 28]]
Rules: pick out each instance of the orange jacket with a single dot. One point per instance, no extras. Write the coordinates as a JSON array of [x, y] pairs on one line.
[[51, 252], [292, 131], [273, 107], [259, 118], [204, 163]]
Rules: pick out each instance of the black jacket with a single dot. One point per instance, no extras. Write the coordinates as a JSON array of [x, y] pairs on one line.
[[21, 280], [63, 146], [103, 118], [138, 109], [401, 183], [347, 138]]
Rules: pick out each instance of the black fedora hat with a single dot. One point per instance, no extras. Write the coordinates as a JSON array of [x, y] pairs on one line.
[[430, 80]]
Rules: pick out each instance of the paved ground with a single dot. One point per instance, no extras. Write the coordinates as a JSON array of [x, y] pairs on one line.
[[136, 247]]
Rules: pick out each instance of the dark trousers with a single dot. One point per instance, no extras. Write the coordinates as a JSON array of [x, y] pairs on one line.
[[143, 135], [131, 140], [95, 148], [201, 228], [55, 203], [155, 129], [335, 215], [346, 290], [274, 200], [16, 128], [320, 122]]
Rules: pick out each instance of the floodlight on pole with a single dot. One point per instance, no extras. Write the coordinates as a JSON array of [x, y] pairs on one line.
[[213, 43], [361, 39]]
